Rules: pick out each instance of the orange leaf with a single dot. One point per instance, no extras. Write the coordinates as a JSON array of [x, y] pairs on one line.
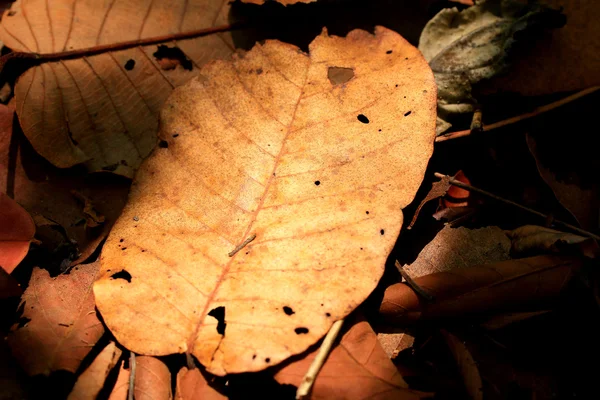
[[121, 387], [91, 380], [152, 379], [16, 232], [265, 147], [486, 288], [62, 325], [191, 384], [357, 368]]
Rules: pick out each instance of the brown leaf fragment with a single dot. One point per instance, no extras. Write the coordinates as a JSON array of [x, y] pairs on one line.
[[191, 385], [438, 189], [357, 368], [285, 156], [121, 387], [339, 75], [62, 324], [152, 379], [459, 248], [16, 233], [92, 217], [504, 286], [533, 239], [466, 365], [91, 380], [102, 110], [394, 343]]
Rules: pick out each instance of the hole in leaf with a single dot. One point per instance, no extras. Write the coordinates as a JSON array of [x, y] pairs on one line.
[[253, 356], [317, 183], [362, 118], [382, 231], [288, 310], [219, 314], [339, 75], [175, 135], [327, 314], [267, 360], [129, 64], [301, 331], [122, 275], [163, 144], [170, 57], [367, 212], [388, 52], [406, 114]]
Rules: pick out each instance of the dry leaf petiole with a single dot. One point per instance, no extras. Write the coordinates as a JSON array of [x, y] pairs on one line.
[[131, 375], [315, 367]]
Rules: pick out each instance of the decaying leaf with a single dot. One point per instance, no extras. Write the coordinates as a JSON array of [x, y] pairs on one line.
[[102, 110], [59, 325], [394, 343], [46, 191], [503, 286], [16, 233], [532, 239], [152, 379], [121, 387], [465, 47], [459, 248], [191, 384], [357, 368], [263, 147], [466, 365], [91, 380]]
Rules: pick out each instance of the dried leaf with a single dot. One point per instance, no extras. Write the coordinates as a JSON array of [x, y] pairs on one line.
[[191, 384], [459, 248], [565, 61], [91, 380], [466, 364], [532, 239], [62, 324], [121, 387], [152, 379], [265, 147], [503, 320], [16, 232], [102, 110], [502, 286], [357, 368], [438, 189], [465, 47], [46, 191], [284, 2]]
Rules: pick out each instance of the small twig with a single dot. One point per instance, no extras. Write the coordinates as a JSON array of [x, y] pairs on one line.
[[315, 367], [413, 285], [512, 203], [131, 375], [535, 112], [241, 246]]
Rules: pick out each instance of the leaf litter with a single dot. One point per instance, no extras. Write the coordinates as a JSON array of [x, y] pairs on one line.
[[478, 292]]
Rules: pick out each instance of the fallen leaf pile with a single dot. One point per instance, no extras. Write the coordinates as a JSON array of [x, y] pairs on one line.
[[207, 199]]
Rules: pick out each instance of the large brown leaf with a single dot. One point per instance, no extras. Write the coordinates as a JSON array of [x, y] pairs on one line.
[[267, 145], [16, 232], [102, 110], [357, 368], [62, 325], [486, 288]]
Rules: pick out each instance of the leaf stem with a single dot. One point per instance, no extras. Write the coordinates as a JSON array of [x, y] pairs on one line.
[[518, 118], [241, 246], [315, 367], [131, 375], [470, 188], [413, 285]]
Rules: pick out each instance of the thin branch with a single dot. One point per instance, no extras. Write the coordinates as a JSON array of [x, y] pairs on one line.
[[105, 48], [512, 203], [315, 367], [518, 118], [241, 246], [131, 375], [413, 285]]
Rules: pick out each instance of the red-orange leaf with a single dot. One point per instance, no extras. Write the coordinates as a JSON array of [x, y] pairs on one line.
[[16, 231], [62, 324]]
